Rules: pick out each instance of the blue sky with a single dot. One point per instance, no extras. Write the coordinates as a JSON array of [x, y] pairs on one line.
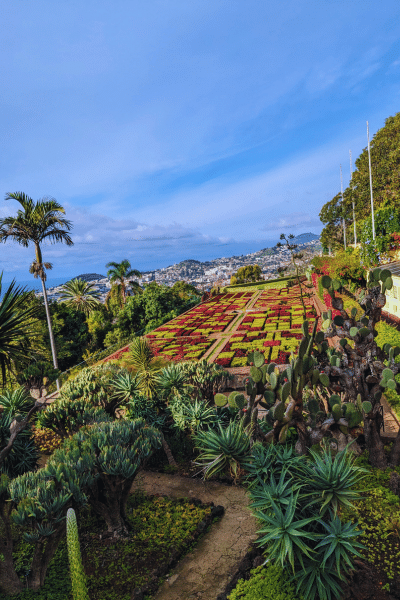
[[187, 129]]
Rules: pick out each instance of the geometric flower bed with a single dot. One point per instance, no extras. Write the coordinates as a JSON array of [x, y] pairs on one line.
[[210, 317], [271, 326], [274, 331], [186, 336], [179, 348]]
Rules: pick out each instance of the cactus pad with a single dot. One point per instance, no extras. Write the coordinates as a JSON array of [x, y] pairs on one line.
[[220, 400], [258, 359], [279, 411], [366, 406], [324, 379], [326, 281], [256, 374]]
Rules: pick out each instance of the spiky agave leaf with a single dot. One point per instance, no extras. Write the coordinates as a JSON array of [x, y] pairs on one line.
[[283, 535], [333, 480], [225, 448]]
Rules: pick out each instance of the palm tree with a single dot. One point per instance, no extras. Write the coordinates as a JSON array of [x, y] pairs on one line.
[[81, 295], [120, 273], [15, 327], [38, 222]]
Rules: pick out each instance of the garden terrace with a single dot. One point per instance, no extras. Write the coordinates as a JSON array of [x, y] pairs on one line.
[[224, 328]]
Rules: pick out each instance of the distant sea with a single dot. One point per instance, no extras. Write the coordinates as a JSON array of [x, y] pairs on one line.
[[34, 284]]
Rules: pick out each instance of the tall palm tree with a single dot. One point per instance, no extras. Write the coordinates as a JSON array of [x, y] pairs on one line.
[[120, 273], [37, 222], [16, 327], [81, 295]]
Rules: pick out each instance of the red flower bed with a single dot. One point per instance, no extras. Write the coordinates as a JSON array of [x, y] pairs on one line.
[[272, 343], [283, 358], [224, 362]]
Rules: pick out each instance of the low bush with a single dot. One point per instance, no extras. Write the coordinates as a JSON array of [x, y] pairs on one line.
[[269, 582]]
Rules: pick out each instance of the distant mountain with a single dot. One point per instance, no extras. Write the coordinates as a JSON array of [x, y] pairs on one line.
[[90, 276], [305, 238]]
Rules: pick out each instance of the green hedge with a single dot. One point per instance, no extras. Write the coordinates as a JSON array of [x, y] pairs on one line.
[[269, 582]]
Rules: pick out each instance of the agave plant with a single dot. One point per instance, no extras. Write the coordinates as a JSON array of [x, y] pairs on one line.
[[172, 383], [195, 415], [316, 581], [284, 535], [126, 386], [338, 544], [15, 402], [226, 448], [280, 493], [77, 573], [325, 573], [333, 479]]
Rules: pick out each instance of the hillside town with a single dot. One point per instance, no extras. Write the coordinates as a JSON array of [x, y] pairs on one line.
[[217, 272]]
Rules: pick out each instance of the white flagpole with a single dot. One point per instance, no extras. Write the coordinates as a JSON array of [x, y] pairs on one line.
[[344, 222], [354, 215], [370, 185]]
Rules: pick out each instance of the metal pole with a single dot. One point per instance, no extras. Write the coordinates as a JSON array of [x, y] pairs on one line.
[[344, 222], [370, 185], [354, 214]]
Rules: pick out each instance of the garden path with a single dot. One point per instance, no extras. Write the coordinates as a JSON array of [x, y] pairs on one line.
[[205, 572]]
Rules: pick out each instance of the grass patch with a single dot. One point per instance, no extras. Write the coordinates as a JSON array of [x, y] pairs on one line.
[[114, 569], [260, 286]]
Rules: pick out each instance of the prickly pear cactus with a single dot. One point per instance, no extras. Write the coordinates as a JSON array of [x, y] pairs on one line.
[[358, 368], [78, 577]]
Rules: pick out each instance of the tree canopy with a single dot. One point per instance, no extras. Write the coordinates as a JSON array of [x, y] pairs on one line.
[[385, 165]]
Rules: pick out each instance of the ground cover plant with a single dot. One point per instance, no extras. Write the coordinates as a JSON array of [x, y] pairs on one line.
[[377, 513], [159, 527]]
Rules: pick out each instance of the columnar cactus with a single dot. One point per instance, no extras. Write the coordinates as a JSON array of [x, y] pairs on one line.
[[78, 577]]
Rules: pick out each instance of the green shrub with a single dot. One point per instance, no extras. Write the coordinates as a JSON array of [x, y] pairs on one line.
[[269, 582], [387, 335]]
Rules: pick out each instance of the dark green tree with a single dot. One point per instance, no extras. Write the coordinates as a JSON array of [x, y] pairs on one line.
[[385, 163]]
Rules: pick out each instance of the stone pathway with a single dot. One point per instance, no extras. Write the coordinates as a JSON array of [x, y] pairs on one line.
[[205, 572]]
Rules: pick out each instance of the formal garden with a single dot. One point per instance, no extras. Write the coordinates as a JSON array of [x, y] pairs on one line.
[[301, 438]]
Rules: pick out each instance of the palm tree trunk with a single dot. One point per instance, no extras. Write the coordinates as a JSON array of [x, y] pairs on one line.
[[51, 334]]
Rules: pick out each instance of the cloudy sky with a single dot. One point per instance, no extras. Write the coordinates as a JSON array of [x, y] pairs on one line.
[[173, 129]]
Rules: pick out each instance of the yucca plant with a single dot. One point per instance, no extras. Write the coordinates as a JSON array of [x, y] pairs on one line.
[[225, 448], [77, 574]]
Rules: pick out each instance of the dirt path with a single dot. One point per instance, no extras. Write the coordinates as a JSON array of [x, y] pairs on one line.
[[206, 571]]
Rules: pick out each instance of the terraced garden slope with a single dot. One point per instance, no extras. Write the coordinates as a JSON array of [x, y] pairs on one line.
[[224, 328]]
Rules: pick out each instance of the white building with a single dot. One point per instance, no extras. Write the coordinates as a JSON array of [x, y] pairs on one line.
[[392, 305]]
